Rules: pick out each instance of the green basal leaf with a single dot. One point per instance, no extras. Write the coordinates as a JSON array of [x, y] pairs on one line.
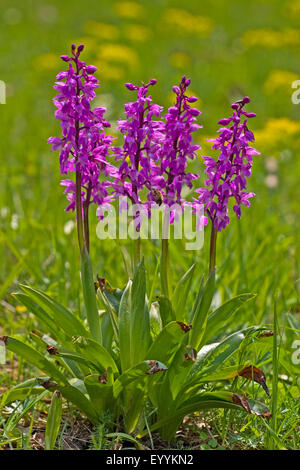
[[100, 390], [221, 317], [93, 351], [213, 356], [166, 310], [140, 337], [167, 343], [124, 328], [181, 293], [53, 421], [35, 358], [139, 372], [61, 316], [201, 312]]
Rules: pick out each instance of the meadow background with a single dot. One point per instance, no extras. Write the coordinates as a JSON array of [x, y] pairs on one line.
[[229, 49]]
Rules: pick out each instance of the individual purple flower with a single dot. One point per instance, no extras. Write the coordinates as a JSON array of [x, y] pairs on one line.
[[178, 146], [84, 144], [139, 154], [227, 177]]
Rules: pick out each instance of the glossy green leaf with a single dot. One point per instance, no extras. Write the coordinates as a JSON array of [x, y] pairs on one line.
[[212, 356], [96, 353], [140, 338], [166, 310], [167, 343], [79, 399], [181, 293], [53, 421], [139, 372], [201, 312], [124, 328], [100, 391], [222, 315], [35, 358], [59, 314]]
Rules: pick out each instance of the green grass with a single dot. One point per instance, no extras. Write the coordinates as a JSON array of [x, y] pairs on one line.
[[257, 254]]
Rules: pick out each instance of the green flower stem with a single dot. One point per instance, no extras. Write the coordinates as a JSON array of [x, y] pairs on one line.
[[136, 252], [79, 220], [213, 248], [86, 206], [89, 296], [164, 267]]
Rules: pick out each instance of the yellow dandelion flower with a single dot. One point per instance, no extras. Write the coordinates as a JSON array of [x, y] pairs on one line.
[[102, 30], [21, 308], [279, 79], [137, 33], [270, 38], [294, 7], [108, 71], [180, 60], [276, 131], [188, 23], [118, 53], [46, 62], [129, 9]]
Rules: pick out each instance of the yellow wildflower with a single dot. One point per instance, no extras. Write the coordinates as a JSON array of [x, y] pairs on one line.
[[102, 30], [47, 61], [21, 308], [129, 9], [188, 23], [137, 32], [294, 7], [108, 71], [118, 53], [267, 37], [277, 131], [279, 79]]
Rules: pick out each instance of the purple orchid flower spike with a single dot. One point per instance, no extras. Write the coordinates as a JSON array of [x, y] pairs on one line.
[[84, 144], [178, 146], [227, 177], [140, 150], [139, 169]]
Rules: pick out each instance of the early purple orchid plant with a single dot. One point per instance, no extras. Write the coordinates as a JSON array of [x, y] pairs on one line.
[[107, 365], [83, 150]]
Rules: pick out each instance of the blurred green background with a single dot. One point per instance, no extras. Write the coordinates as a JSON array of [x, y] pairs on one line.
[[229, 48]]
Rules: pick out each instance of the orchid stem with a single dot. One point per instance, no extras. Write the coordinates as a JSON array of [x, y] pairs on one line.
[[136, 251], [79, 220], [164, 267], [86, 206], [213, 248]]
